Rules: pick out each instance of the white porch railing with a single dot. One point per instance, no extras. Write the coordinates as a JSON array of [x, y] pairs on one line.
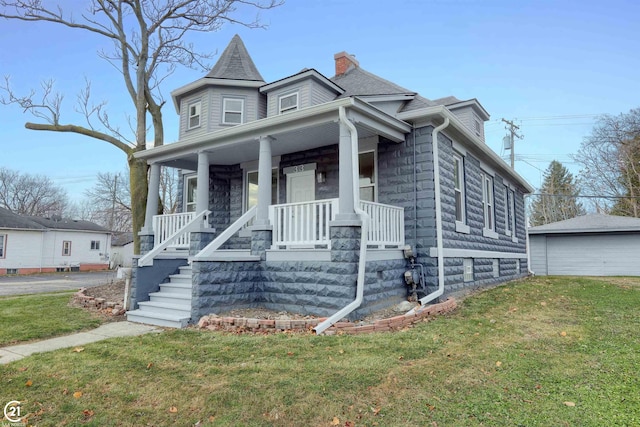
[[164, 226], [197, 221], [306, 224], [387, 224]]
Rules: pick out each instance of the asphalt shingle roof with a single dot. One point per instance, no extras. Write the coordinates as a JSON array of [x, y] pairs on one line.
[[357, 81], [593, 223], [235, 63], [11, 220]]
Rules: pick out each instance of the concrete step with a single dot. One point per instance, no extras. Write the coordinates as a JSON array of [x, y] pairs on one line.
[[158, 319], [176, 309], [180, 298], [176, 288], [180, 278]]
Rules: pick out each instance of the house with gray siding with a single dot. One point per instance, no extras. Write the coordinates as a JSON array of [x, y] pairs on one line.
[[323, 196]]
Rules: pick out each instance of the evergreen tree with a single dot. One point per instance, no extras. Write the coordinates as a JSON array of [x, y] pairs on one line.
[[557, 200]]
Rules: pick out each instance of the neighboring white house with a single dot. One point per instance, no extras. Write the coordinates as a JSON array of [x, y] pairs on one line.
[[36, 245], [589, 245], [121, 254]]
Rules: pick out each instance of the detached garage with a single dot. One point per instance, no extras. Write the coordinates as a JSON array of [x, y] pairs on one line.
[[590, 245]]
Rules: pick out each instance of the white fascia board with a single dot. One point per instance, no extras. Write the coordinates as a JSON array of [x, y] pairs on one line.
[[283, 122], [178, 93], [442, 111], [384, 98], [585, 230], [472, 253]]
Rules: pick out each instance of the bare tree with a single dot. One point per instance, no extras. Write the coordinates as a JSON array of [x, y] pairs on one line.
[[610, 159], [169, 190], [33, 195], [110, 199], [149, 39]]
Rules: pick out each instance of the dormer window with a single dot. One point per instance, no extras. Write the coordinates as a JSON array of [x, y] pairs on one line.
[[194, 115], [232, 111], [288, 102]]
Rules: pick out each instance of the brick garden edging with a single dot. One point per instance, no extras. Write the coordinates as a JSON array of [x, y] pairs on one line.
[[242, 324], [109, 307]]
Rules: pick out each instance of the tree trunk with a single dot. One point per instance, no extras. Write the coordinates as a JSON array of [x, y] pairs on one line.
[[139, 186]]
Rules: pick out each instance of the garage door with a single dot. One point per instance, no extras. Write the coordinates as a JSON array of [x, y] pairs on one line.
[[594, 255]]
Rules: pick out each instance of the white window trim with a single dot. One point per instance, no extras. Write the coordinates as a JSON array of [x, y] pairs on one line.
[[64, 243], [488, 209], [225, 110], [461, 226], [507, 211], [287, 95], [185, 192], [198, 105], [3, 246], [375, 172], [467, 270]]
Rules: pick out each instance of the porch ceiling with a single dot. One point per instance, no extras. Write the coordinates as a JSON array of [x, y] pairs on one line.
[[301, 130]]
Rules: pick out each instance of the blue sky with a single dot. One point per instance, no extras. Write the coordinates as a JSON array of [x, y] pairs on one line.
[[551, 66]]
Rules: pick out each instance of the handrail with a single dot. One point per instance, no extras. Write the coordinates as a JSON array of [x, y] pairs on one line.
[[194, 224], [208, 250]]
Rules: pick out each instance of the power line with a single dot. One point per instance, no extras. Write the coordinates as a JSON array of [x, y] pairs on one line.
[[586, 196]]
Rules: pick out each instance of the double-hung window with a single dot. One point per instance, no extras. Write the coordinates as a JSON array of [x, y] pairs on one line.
[[488, 206], [95, 245], [194, 115], [3, 244], [66, 248], [507, 211], [232, 111], [367, 177], [190, 191], [512, 214], [288, 102], [459, 193]]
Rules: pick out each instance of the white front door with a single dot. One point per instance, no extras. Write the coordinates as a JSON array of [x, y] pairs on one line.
[[301, 186]]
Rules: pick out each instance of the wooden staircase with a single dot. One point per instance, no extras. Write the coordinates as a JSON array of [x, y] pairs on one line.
[[171, 306]]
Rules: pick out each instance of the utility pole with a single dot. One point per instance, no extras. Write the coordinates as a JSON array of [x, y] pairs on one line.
[[513, 128]]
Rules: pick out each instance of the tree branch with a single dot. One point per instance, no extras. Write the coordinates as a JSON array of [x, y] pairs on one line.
[[82, 131]]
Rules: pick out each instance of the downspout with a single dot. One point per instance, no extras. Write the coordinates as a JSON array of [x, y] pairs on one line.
[[415, 187], [364, 231], [439, 239]]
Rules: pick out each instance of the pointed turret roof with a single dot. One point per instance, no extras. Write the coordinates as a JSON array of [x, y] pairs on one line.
[[235, 63]]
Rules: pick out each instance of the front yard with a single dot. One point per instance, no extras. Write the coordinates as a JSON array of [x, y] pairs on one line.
[[539, 352]]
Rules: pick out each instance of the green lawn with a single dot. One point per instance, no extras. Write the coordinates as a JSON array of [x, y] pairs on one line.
[[29, 317], [540, 352]]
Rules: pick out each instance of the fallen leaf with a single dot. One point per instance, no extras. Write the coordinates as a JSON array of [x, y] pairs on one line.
[[348, 424], [376, 410], [78, 349], [341, 351], [29, 383], [570, 404], [77, 394], [212, 418], [173, 409], [289, 353], [563, 334], [22, 369], [149, 365], [65, 391], [336, 421], [543, 303], [88, 413], [498, 363]]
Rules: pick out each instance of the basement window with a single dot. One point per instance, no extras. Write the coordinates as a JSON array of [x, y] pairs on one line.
[[467, 266], [496, 267], [12, 271]]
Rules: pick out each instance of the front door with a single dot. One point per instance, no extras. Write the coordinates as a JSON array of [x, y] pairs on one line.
[[301, 186]]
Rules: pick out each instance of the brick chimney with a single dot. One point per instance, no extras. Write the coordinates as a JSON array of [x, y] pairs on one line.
[[344, 62]]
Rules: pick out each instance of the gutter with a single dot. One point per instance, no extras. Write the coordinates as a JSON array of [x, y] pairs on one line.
[[364, 230], [439, 237]]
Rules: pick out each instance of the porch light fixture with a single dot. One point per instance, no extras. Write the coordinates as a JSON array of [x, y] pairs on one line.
[[321, 177]]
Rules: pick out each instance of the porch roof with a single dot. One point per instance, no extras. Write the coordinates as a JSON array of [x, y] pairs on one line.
[[300, 130]]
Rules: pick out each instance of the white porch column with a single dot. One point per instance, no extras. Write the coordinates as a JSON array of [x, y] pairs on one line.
[[202, 192], [345, 177], [153, 195], [264, 182]]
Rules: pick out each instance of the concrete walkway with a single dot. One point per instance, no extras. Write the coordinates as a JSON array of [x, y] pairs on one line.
[[108, 330]]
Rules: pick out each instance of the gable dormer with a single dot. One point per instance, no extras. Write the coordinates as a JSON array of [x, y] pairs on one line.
[[470, 112], [307, 88], [228, 95]]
